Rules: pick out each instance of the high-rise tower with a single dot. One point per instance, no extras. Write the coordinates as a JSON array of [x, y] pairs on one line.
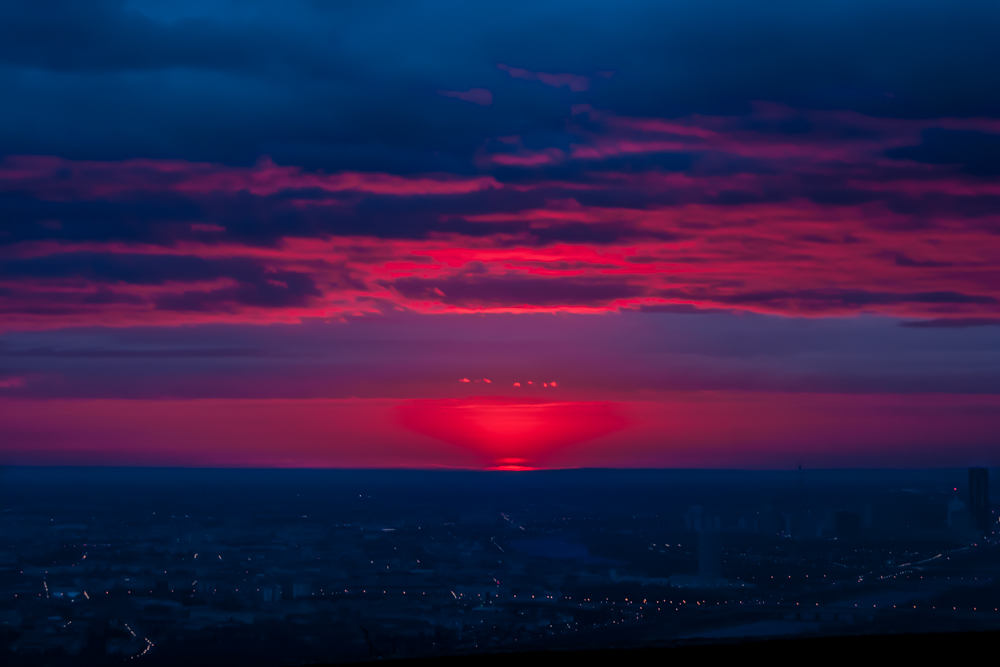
[[710, 554], [979, 497]]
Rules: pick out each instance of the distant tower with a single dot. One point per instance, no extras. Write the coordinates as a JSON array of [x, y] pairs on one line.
[[979, 497], [800, 487]]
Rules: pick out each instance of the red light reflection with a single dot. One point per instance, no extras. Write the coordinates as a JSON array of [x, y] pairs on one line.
[[511, 434]]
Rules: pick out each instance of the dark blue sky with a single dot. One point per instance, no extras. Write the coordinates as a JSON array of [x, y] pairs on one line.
[[353, 85]]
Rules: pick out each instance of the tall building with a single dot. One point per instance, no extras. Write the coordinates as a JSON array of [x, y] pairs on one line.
[[979, 497], [710, 554], [848, 523]]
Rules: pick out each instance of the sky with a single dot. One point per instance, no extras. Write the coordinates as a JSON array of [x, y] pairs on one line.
[[500, 235]]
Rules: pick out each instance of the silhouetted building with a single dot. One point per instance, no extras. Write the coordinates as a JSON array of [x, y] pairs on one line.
[[710, 554], [958, 516], [848, 523], [769, 519], [979, 497], [697, 520]]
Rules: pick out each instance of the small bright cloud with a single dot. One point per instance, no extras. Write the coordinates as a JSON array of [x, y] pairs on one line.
[[574, 82], [480, 96]]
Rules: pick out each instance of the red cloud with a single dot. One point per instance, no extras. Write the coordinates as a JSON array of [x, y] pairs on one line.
[[827, 226]]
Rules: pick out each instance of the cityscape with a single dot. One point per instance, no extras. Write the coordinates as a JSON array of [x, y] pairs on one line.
[[448, 332], [288, 567]]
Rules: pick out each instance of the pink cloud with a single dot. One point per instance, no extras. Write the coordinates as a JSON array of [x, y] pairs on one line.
[[526, 158], [11, 382], [480, 96], [867, 138], [64, 180], [574, 82]]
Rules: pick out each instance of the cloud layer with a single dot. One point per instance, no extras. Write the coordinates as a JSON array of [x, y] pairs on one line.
[[169, 163], [779, 211]]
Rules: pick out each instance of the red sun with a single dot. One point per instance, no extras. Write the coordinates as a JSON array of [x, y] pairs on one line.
[[507, 433]]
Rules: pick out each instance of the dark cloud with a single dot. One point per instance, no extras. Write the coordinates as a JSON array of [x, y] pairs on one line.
[[156, 218], [257, 286], [977, 153], [26, 300], [320, 84], [953, 323], [679, 309], [108, 267], [106, 353], [846, 298], [903, 260], [103, 296], [241, 217], [826, 240], [107, 36], [273, 289]]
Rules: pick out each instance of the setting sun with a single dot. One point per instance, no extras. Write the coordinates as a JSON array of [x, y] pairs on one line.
[[511, 434]]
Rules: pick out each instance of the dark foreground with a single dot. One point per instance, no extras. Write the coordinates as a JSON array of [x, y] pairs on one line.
[[917, 647], [270, 568]]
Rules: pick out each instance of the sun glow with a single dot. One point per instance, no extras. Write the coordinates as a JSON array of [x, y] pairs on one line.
[[511, 434]]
